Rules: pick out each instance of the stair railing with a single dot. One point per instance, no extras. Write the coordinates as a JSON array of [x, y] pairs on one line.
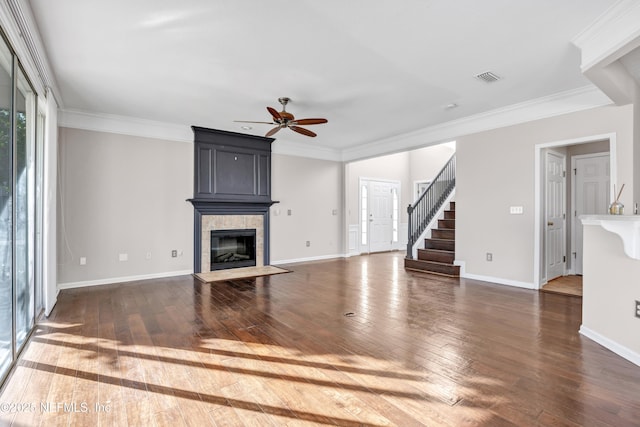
[[427, 206]]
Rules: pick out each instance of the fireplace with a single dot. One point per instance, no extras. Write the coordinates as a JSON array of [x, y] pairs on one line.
[[233, 248], [232, 194]]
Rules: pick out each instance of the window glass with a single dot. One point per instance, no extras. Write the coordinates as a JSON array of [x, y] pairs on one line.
[[394, 214], [364, 216]]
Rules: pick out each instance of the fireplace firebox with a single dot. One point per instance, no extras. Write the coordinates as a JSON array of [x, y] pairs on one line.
[[233, 248]]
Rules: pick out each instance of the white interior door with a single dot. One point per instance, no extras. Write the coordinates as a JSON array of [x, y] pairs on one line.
[[555, 216], [591, 195], [380, 216], [378, 221]]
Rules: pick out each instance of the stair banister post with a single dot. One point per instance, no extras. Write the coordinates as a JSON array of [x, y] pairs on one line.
[[410, 241]]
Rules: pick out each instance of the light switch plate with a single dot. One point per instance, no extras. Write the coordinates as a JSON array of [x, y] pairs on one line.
[[516, 210]]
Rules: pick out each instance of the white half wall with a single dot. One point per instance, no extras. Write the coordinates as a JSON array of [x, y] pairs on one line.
[[610, 290]]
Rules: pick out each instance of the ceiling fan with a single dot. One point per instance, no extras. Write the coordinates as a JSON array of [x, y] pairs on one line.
[[284, 119]]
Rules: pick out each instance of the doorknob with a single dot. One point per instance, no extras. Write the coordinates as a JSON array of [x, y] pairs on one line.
[[550, 223]]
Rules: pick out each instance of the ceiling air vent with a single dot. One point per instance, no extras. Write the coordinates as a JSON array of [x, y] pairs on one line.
[[488, 77]]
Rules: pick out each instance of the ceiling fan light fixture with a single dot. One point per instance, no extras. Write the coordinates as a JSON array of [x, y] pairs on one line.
[[284, 119]]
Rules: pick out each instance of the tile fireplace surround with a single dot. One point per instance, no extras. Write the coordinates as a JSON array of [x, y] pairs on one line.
[[230, 222]]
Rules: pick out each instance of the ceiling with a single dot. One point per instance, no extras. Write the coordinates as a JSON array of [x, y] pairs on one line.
[[374, 69]]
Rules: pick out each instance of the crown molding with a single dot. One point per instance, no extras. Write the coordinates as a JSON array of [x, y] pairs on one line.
[[553, 105], [614, 34], [112, 123], [16, 19], [300, 149], [562, 103]]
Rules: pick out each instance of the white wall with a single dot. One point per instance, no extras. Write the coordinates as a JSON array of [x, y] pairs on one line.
[[312, 190], [122, 195], [406, 167], [425, 163], [393, 167], [495, 170]]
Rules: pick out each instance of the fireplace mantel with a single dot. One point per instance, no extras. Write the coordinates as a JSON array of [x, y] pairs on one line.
[[209, 207]]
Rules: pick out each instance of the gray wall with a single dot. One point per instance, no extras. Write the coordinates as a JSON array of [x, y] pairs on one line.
[[311, 190], [496, 170], [122, 194], [125, 194]]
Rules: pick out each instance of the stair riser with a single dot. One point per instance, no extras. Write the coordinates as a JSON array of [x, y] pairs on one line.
[[449, 214], [452, 206], [437, 256], [445, 245], [426, 266], [447, 223], [443, 234]]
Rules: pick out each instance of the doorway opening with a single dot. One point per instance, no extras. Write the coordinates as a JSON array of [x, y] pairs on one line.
[[587, 166]]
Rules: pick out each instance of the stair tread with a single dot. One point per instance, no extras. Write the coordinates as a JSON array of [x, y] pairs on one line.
[[443, 251], [432, 272], [435, 262]]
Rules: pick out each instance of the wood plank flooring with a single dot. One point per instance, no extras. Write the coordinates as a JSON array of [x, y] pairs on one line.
[[566, 285], [280, 350]]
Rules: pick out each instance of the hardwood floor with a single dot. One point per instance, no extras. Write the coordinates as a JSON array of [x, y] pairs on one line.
[[281, 350], [566, 285]]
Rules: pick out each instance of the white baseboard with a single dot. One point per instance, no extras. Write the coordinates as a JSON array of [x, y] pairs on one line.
[[618, 349], [499, 281], [491, 279], [111, 280], [313, 258]]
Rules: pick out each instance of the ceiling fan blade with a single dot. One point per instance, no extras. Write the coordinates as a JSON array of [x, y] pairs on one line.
[[303, 131], [247, 121], [276, 116], [273, 131], [305, 122]]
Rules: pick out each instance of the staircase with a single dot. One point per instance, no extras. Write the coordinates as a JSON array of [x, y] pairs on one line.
[[439, 251]]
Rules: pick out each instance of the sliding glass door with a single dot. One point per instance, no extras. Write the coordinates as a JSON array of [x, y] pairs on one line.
[[24, 211], [17, 208], [6, 208]]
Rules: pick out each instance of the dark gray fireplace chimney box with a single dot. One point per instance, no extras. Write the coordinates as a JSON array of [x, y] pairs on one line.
[[232, 176]]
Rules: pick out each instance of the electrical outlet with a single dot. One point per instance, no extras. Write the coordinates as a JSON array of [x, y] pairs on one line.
[[638, 309], [308, 243], [489, 256], [174, 253], [83, 260], [288, 212], [148, 256], [123, 257]]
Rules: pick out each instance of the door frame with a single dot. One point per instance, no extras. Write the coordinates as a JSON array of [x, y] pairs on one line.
[[416, 186], [367, 248], [539, 274]]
